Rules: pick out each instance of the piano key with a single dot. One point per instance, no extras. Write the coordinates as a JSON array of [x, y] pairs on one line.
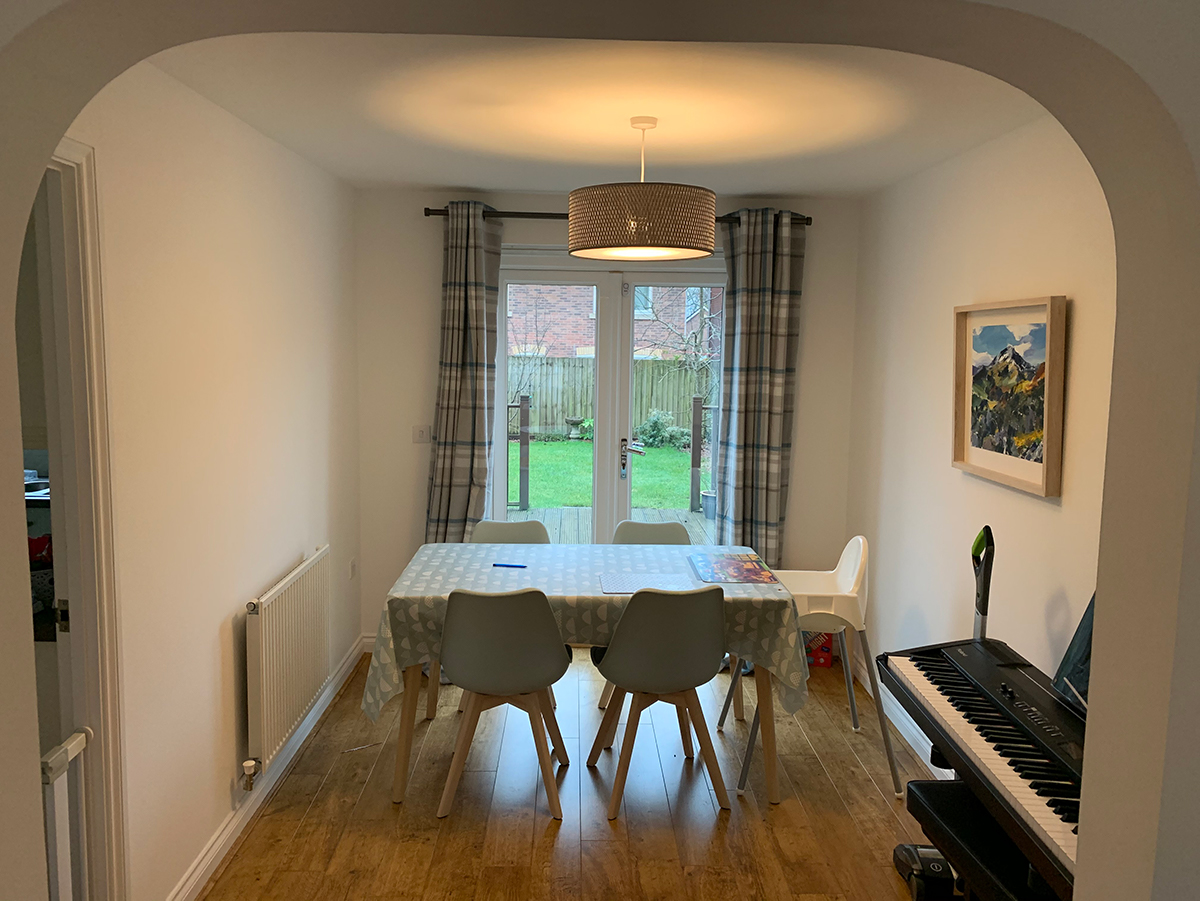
[[1012, 782]]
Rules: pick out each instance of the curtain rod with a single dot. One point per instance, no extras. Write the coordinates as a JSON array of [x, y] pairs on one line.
[[518, 214]]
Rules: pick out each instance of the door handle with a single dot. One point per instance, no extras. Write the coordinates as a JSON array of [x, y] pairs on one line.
[[629, 447]]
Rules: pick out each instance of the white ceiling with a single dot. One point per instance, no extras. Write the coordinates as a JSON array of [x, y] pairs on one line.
[[518, 114]]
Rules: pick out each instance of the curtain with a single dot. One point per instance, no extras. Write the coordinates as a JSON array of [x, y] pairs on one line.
[[463, 417], [764, 256]]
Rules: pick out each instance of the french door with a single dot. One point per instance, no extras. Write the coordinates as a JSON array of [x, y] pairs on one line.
[[606, 396]]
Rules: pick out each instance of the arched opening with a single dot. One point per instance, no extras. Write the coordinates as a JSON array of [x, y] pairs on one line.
[[1143, 517]]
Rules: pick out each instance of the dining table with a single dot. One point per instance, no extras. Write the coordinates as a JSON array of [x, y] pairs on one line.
[[761, 623]]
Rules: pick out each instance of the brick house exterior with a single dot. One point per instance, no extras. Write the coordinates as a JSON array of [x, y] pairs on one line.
[[559, 320]]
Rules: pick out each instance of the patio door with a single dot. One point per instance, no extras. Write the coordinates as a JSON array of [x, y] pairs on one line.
[[594, 359]]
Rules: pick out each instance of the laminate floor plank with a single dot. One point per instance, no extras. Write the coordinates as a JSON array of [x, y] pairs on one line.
[[608, 872], [330, 832], [509, 836], [457, 857], [556, 867], [694, 811], [844, 846], [647, 810]]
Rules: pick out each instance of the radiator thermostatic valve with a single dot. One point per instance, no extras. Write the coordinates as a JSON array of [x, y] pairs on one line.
[[250, 769]]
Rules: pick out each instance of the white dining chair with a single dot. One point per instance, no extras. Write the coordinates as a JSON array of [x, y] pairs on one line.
[[490, 531], [665, 644], [630, 532], [504, 649], [831, 601]]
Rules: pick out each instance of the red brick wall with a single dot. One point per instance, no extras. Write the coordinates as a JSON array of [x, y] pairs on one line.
[[557, 320]]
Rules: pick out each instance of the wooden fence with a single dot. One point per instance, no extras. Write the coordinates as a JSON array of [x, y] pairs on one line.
[[561, 387]]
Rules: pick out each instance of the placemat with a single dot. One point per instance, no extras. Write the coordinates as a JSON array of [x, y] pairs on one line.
[[628, 583]]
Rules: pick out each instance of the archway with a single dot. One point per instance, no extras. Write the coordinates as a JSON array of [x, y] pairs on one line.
[[50, 71]]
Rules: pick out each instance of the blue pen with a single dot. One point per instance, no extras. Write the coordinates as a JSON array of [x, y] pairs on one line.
[[510, 565]]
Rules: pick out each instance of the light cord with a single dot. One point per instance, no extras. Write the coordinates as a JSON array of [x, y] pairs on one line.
[[643, 155]]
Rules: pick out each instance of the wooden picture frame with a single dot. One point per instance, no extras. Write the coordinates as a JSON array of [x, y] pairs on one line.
[[1008, 410]]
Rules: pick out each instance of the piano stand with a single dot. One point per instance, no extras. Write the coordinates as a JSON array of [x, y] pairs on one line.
[[959, 826]]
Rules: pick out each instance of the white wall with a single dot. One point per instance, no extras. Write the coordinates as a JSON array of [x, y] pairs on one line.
[[398, 273], [1021, 216], [233, 398]]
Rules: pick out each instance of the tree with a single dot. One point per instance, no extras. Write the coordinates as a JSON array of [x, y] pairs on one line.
[[679, 325]]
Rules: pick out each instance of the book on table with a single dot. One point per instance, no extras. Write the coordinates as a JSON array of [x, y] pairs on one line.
[[731, 568]]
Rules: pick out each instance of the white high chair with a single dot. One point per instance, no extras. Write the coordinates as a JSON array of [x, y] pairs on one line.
[[830, 601]]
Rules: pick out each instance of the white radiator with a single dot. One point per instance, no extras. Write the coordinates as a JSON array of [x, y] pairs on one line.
[[287, 655]]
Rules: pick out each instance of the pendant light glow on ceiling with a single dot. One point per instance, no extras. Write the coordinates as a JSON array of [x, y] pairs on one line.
[[641, 220]]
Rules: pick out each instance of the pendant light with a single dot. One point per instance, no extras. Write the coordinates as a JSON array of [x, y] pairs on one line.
[[641, 220]]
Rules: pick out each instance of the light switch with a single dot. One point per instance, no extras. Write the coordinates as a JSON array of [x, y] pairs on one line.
[[421, 434]]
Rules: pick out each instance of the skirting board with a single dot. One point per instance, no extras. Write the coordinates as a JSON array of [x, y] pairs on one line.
[[218, 846], [905, 724]]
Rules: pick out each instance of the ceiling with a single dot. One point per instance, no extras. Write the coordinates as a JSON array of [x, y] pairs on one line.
[[521, 114]]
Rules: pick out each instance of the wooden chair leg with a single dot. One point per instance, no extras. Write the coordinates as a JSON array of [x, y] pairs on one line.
[[431, 690], [618, 792], [462, 701], [685, 732], [553, 700], [462, 747], [608, 720], [739, 696], [706, 748], [547, 713], [618, 701], [532, 706], [606, 695]]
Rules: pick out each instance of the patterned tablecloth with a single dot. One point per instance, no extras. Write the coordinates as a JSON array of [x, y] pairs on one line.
[[760, 619]]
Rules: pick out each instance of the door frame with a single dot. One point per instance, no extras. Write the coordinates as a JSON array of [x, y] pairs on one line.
[[67, 220], [545, 264]]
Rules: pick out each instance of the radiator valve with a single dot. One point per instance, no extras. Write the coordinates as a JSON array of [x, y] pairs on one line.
[[250, 769]]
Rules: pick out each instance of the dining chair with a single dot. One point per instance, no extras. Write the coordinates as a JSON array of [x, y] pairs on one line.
[[665, 644], [489, 531], [504, 649], [529, 531], [830, 601], [630, 532]]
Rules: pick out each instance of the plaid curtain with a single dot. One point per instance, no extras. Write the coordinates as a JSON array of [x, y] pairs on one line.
[[764, 256], [463, 418]]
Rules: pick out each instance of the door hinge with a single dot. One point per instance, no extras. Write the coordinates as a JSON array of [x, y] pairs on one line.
[[62, 614]]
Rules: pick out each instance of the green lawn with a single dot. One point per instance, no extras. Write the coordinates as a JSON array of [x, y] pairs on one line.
[[560, 475]]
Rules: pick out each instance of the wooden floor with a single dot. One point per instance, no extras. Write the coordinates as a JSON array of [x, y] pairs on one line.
[[332, 833], [573, 525]]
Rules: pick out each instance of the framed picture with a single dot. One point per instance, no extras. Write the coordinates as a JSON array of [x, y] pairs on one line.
[[1008, 392]]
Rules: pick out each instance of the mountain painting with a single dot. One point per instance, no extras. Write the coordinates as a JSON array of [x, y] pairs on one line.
[[1008, 389]]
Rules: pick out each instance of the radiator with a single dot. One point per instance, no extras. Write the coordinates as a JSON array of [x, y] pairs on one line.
[[287, 655]]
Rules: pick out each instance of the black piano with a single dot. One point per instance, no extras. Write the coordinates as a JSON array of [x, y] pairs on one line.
[[1015, 741]]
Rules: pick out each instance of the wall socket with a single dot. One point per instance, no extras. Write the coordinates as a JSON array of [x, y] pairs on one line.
[[421, 434]]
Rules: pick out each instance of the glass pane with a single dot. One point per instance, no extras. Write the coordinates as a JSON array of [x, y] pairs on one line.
[[551, 362], [676, 375]]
